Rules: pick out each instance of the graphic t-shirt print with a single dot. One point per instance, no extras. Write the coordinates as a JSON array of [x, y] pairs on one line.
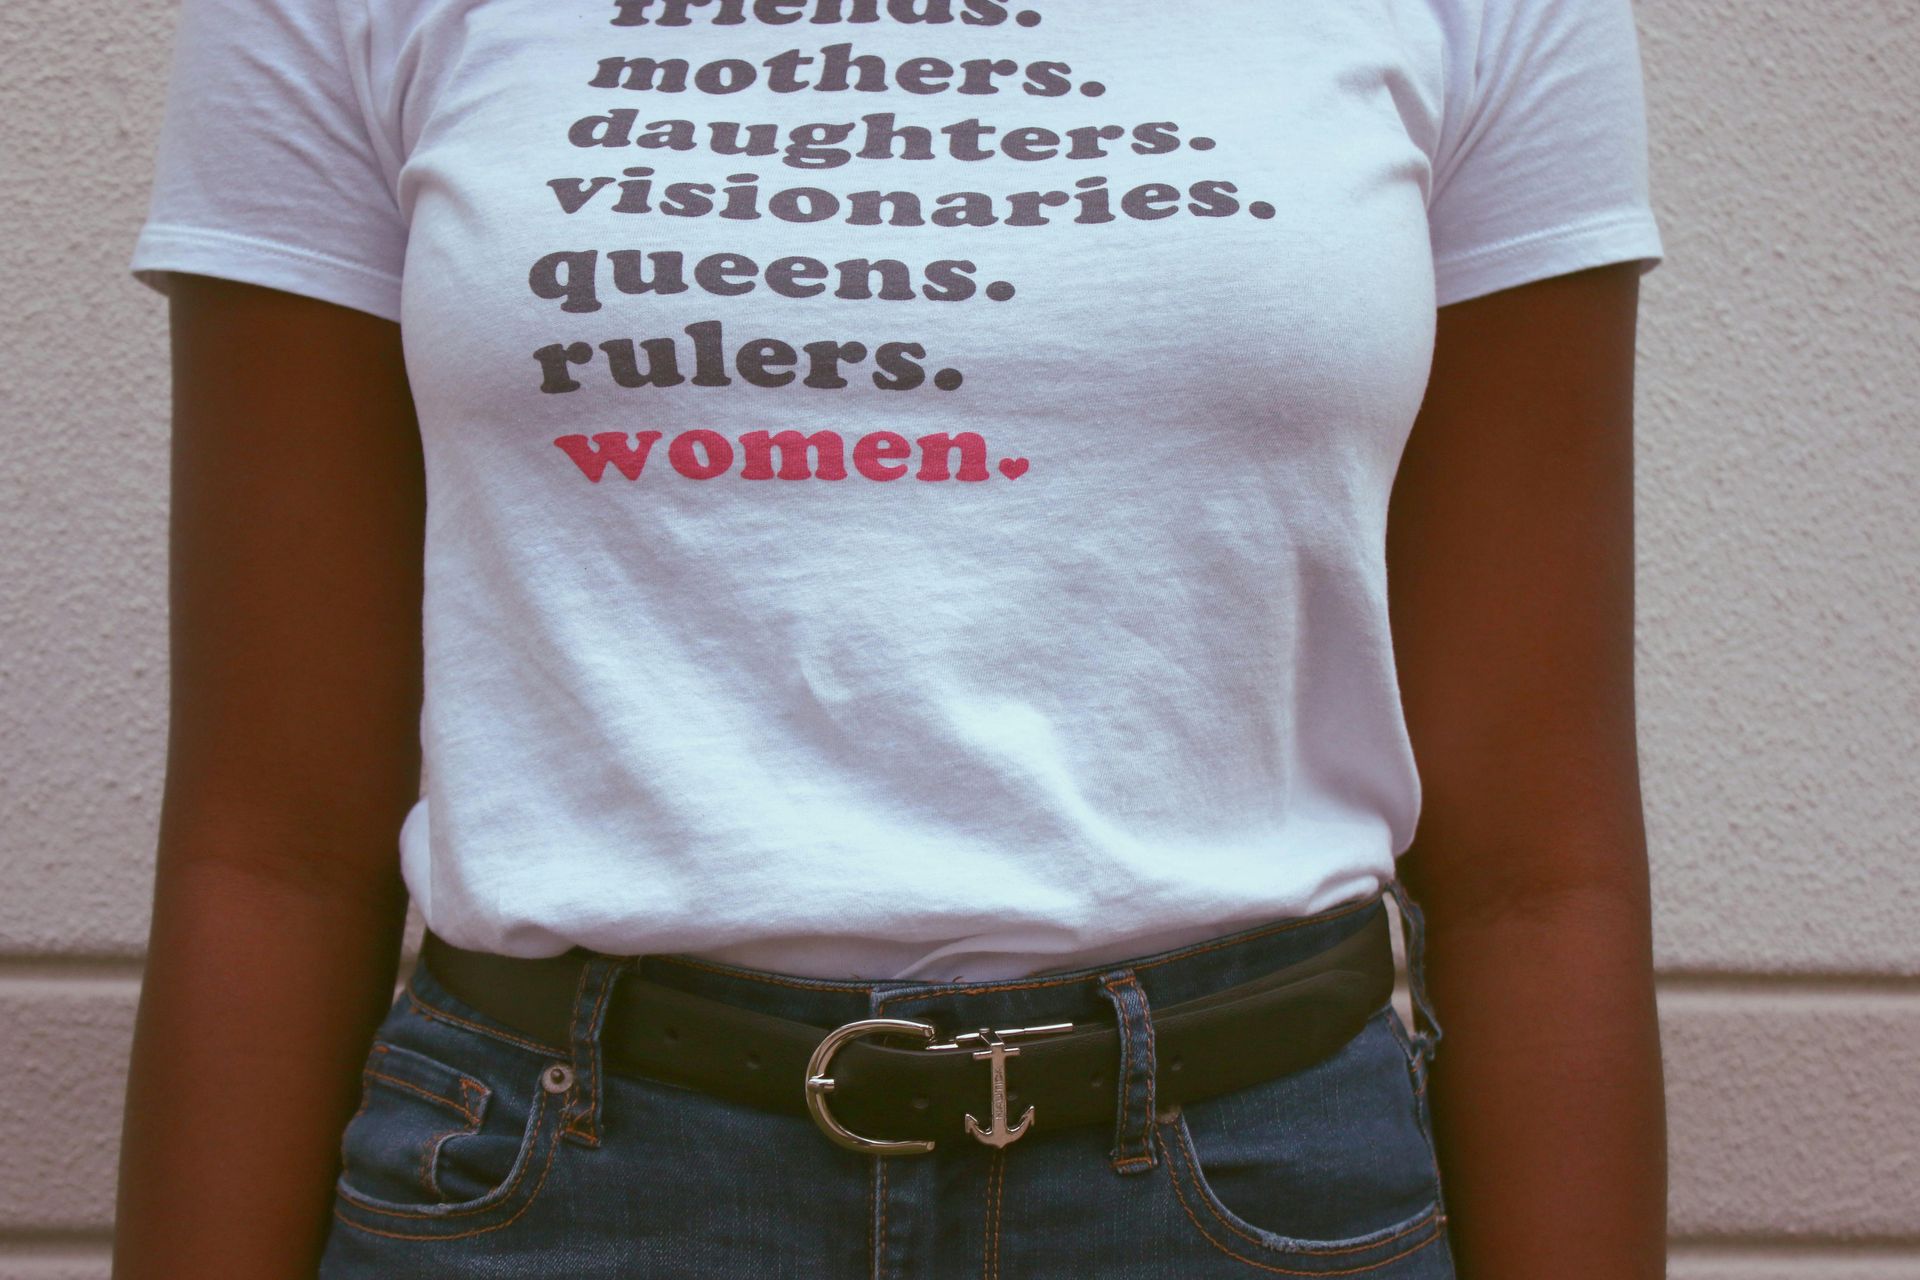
[[759, 173]]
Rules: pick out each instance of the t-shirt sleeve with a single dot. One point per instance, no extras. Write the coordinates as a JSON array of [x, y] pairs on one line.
[[268, 170], [1542, 159]]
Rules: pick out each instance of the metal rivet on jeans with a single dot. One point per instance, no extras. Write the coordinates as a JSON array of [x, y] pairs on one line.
[[557, 1078]]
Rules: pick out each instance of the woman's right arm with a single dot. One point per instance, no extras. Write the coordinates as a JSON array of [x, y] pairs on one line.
[[298, 503]]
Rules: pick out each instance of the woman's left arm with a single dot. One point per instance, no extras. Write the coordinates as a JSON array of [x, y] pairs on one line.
[[1510, 570]]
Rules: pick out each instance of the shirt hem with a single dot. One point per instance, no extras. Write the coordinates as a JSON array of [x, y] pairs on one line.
[[1633, 237], [162, 249]]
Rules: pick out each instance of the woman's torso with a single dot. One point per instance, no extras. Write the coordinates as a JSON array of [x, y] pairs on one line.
[[1102, 667]]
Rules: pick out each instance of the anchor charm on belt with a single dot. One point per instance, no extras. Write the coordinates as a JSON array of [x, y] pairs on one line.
[[995, 1052]]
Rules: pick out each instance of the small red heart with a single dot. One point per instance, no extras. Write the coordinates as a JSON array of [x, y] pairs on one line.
[[1013, 468]]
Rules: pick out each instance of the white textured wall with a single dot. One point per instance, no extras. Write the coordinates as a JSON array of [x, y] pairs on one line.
[[1780, 605]]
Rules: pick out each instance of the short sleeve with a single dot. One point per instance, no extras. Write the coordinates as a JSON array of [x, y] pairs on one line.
[[267, 170], [1542, 159]]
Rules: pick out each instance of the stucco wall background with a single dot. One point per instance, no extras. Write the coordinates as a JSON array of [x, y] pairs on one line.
[[1778, 440]]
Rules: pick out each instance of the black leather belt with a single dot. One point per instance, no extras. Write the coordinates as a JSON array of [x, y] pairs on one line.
[[1230, 1039]]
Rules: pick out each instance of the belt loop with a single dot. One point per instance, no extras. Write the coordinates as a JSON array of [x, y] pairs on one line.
[[597, 977], [1133, 1123], [1426, 1033]]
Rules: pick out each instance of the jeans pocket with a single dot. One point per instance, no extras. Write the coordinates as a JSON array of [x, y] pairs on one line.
[[1330, 1168], [438, 1149], [412, 1107]]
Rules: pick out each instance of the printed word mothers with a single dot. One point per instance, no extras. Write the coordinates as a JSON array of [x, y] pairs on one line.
[[701, 454]]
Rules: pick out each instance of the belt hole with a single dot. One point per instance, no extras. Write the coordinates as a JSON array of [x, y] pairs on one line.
[[1097, 1082], [1174, 1065], [672, 1036], [921, 1104], [753, 1062]]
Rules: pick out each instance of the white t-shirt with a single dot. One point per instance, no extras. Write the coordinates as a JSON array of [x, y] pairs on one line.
[[907, 479]]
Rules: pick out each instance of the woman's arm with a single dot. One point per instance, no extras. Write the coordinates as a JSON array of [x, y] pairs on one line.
[[1510, 564], [292, 756]]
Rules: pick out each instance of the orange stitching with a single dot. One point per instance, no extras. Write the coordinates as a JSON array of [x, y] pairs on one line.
[[1126, 1078], [553, 1147], [1423, 1121], [880, 1254], [1126, 1070], [429, 1094], [1146, 1021], [1417, 1067], [579, 1003], [1290, 1271], [996, 1163], [505, 1194], [999, 1207], [432, 1012], [574, 1122], [996, 1185], [428, 1150], [1205, 1235], [1191, 1164]]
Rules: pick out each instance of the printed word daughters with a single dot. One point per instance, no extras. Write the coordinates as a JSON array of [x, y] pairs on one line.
[[818, 145]]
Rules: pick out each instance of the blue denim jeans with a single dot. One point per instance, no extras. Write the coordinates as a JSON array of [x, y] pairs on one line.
[[472, 1157]]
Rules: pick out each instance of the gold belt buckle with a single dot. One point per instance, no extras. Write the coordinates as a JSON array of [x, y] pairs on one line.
[[994, 1051]]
